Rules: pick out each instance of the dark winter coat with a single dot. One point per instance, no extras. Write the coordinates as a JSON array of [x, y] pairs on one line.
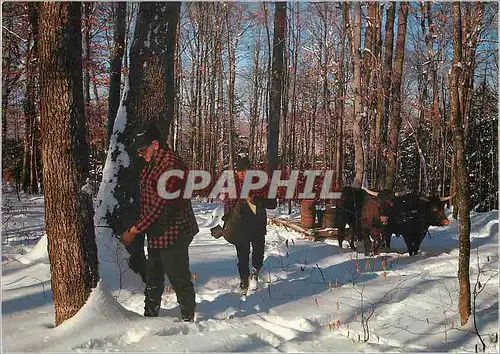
[[242, 225]]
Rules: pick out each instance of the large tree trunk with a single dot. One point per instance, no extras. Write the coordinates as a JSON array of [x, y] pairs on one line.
[[68, 211], [120, 11], [87, 9], [356, 130], [395, 115], [276, 84], [461, 173], [145, 103]]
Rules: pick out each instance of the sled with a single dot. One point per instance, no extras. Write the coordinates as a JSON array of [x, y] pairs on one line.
[[313, 234]]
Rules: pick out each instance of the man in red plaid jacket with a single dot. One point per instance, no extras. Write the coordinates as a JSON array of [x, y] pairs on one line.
[[169, 224]]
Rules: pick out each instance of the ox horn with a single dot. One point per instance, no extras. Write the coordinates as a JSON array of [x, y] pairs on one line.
[[400, 194], [370, 192], [444, 199]]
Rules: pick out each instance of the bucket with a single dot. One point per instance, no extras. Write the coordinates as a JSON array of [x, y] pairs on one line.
[[308, 213], [329, 217]]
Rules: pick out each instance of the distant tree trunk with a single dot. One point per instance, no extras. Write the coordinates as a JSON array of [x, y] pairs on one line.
[[176, 139], [435, 145], [386, 90], [461, 171], [254, 108], [94, 86], [68, 211], [233, 17], [230, 93], [29, 183], [120, 11], [10, 75], [324, 60], [285, 84], [374, 89], [470, 31], [293, 128], [220, 100], [173, 14], [276, 84], [340, 111], [395, 115], [356, 130]]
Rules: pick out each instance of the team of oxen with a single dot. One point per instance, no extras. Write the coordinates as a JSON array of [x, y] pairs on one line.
[[373, 217]]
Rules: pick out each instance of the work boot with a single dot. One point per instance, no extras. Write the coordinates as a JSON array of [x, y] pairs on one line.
[[187, 315], [151, 309], [244, 285], [152, 300], [254, 279]]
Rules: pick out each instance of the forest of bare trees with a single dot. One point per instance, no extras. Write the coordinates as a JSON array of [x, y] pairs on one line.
[[399, 96], [365, 89]]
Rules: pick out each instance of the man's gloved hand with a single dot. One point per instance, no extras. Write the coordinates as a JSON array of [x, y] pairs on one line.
[[128, 237], [216, 231]]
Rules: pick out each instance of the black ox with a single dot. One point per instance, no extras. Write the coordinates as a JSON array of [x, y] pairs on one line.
[[411, 215]]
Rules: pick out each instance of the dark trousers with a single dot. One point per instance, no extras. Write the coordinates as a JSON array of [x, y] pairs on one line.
[[258, 243], [174, 262]]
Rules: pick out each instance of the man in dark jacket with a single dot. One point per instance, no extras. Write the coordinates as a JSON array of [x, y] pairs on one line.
[[170, 226], [246, 222]]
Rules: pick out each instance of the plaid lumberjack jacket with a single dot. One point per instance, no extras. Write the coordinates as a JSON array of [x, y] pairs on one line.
[[163, 220]]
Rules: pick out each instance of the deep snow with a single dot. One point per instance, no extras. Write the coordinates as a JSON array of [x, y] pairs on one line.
[[312, 296]]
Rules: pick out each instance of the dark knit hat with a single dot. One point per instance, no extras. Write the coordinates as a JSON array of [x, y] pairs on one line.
[[241, 163], [150, 133]]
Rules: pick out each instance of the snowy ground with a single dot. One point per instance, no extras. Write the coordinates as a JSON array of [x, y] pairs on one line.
[[313, 296]]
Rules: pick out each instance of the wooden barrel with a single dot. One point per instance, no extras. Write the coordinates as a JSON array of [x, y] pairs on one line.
[[329, 217], [307, 213]]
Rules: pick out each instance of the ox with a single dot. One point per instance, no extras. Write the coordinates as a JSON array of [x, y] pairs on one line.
[[411, 215], [365, 212]]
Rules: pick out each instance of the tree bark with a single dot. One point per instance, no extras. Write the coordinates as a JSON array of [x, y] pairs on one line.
[[395, 116], [356, 130], [29, 184], [68, 211], [120, 11], [340, 106], [461, 171], [384, 103], [145, 104], [173, 13], [87, 7], [276, 84]]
